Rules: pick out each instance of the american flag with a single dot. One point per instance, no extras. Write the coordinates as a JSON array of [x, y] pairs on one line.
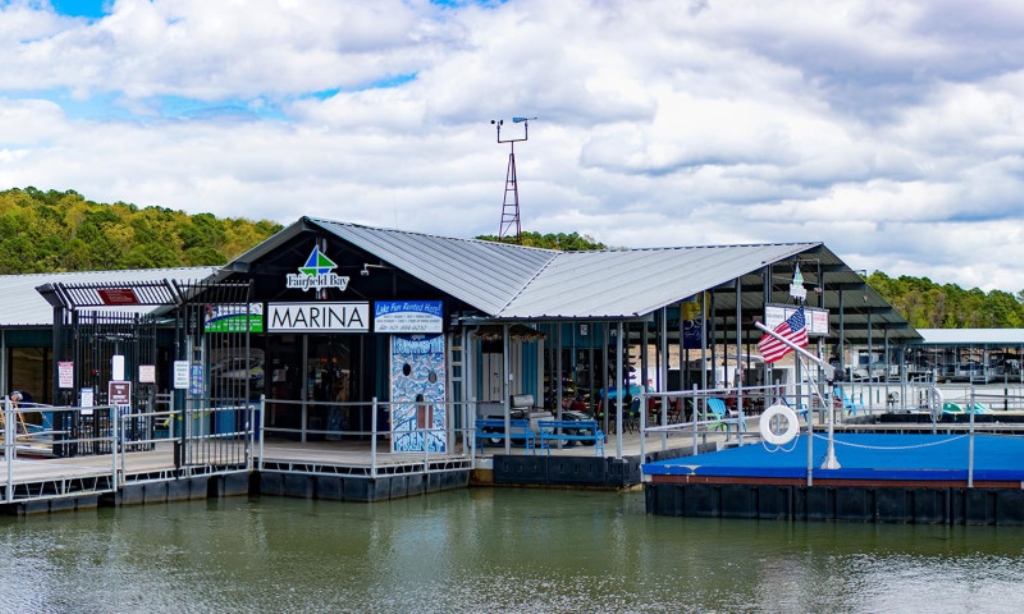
[[792, 329]]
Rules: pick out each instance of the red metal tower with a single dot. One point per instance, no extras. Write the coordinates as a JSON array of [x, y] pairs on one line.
[[510, 203]]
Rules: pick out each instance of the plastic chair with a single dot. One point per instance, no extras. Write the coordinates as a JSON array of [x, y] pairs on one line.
[[847, 403], [716, 409], [952, 408], [955, 408]]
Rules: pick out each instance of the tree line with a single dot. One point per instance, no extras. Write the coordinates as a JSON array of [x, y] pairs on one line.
[[926, 304], [52, 231], [55, 231]]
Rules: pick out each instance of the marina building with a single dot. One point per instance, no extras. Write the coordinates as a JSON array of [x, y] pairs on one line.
[[338, 360]]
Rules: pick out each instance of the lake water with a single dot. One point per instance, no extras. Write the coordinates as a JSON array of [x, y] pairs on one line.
[[500, 550]]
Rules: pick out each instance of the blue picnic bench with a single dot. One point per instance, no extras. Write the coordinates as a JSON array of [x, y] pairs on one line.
[[493, 430], [571, 430]]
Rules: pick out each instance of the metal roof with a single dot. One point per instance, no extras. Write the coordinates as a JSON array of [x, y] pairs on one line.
[[483, 274], [634, 283], [972, 336], [855, 308], [22, 305], [515, 283]]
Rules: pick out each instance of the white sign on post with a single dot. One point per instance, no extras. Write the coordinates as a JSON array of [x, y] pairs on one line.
[[147, 374], [117, 368], [87, 401], [65, 375], [181, 375]]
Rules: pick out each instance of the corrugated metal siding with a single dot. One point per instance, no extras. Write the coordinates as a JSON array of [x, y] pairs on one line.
[[23, 306], [483, 274]]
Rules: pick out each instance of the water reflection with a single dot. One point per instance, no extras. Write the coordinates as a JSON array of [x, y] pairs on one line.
[[492, 550]]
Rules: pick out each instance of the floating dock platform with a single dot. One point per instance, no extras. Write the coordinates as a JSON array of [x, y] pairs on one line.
[[909, 478]]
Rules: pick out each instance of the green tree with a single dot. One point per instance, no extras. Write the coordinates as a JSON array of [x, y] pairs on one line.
[[62, 231], [561, 241]]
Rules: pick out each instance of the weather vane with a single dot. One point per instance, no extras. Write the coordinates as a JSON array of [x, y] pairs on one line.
[[510, 204]]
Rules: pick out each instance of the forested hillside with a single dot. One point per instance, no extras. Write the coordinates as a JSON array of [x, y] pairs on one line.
[[62, 231], [926, 304]]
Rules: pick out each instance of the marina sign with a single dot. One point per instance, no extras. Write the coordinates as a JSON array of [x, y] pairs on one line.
[[317, 273], [318, 317]]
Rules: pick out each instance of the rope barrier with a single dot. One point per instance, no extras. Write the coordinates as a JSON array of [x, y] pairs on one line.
[[914, 447]]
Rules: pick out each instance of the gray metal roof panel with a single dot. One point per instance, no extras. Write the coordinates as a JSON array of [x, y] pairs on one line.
[[633, 283], [972, 336], [484, 274], [23, 306]]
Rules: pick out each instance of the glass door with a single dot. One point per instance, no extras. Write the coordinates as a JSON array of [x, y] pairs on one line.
[[330, 392]]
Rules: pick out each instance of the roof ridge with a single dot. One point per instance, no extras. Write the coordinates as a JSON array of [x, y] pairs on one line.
[[526, 285], [320, 220]]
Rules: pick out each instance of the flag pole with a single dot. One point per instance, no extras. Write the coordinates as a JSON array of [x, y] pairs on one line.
[[830, 371]]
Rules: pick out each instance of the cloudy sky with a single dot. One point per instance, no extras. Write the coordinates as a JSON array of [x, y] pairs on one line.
[[891, 130]]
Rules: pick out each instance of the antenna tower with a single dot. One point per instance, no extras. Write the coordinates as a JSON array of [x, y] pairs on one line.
[[510, 204]]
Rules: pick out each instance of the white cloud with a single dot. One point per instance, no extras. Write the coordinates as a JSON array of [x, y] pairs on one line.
[[892, 131]]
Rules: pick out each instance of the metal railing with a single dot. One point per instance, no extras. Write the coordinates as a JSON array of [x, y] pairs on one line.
[[27, 446], [367, 425], [968, 402]]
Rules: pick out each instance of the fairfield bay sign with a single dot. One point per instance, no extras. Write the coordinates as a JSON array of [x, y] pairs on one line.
[[318, 317], [316, 274]]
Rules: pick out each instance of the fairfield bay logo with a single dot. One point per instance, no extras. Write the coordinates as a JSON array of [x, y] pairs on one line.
[[317, 274]]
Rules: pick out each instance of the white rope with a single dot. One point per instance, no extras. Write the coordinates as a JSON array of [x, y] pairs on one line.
[[780, 448], [923, 445]]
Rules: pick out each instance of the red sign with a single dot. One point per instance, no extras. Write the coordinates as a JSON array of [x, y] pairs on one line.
[[118, 296]]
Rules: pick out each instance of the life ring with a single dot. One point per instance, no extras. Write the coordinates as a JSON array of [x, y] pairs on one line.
[[935, 403], [792, 425]]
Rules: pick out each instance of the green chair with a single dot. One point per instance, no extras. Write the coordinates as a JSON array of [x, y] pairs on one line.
[[952, 408]]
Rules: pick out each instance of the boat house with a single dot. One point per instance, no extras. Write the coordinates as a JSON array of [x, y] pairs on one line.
[[338, 360]]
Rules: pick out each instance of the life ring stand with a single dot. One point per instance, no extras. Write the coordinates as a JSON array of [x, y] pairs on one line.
[[792, 425]]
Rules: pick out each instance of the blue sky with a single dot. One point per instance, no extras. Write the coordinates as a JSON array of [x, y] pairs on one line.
[[82, 8], [891, 131]]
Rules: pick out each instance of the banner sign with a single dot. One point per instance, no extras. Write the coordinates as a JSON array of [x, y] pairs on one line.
[[408, 317], [118, 296], [695, 332], [234, 318], [318, 317], [817, 318], [418, 411]]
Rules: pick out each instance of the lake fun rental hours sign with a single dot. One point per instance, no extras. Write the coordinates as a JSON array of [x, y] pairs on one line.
[[407, 317]]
